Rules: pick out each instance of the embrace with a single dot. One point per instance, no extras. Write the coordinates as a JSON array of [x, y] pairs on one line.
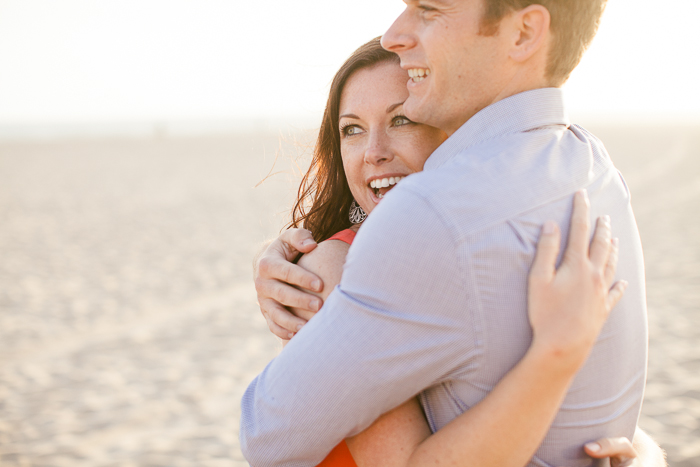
[[447, 334]]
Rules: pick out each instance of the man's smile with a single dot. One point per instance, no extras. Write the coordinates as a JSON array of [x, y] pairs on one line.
[[418, 74]]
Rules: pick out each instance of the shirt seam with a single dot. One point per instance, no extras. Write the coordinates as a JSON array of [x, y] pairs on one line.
[[463, 148]]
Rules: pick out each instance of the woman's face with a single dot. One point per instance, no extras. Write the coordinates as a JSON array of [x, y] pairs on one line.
[[378, 144]]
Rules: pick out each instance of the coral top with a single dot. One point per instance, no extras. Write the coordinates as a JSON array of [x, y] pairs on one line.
[[346, 236], [340, 455]]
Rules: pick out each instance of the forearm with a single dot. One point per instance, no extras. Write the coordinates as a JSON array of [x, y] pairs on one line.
[[516, 415]]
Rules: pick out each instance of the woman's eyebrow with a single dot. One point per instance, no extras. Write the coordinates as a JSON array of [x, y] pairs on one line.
[[349, 116], [393, 106]]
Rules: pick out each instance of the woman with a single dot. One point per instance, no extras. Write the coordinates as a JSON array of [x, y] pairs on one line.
[[365, 147]]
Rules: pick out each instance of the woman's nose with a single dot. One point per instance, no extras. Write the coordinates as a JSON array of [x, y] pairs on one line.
[[398, 38], [379, 150]]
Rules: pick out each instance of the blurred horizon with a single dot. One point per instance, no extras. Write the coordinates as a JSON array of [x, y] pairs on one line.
[[49, 132], [79, 67]]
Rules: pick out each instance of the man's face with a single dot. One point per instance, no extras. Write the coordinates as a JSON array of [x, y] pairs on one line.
[[455, 71]]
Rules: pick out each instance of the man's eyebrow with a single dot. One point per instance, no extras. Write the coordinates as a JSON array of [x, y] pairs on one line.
[[393, 106], [349, 116]]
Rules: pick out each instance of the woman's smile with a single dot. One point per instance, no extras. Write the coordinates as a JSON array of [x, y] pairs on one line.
[[379, 145], [381, 184]]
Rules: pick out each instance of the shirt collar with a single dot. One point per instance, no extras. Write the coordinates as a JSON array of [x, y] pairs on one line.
[[521, 112]]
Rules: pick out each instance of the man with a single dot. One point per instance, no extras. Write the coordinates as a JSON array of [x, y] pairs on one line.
[[433, 296]]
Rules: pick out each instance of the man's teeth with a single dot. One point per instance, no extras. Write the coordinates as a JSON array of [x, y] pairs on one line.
[[418, 74], [384, 182]]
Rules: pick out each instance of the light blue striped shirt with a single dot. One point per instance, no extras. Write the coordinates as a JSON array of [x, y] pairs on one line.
[[433, 296]]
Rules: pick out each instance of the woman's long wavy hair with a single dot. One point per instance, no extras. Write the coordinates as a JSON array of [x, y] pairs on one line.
[[324, 197]]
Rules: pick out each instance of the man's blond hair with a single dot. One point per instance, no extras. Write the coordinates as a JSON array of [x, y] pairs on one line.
[[574, 23]]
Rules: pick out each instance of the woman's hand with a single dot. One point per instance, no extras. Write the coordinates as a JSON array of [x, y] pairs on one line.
[[643, 452], [275, 275], [568, 306]]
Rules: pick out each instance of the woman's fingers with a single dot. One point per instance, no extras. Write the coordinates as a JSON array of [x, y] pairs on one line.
[[577, 247], [544, 265], [601, 244], [619, 450], [616, 293], [611, 267]]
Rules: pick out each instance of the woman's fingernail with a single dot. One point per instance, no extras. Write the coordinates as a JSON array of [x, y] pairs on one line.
[[548, 228], [593, 447], [299, 326], [583, 194], [308, 242], [315, 305], [290, 335], [316, 285]]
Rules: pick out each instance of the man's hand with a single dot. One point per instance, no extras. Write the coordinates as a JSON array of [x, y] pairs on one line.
[[275, 275]]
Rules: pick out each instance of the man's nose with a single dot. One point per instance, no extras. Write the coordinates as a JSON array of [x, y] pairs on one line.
[[379, 150], [398, 37]]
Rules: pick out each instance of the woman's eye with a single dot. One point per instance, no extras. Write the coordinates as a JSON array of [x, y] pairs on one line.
[[351, 130], [400, 121]]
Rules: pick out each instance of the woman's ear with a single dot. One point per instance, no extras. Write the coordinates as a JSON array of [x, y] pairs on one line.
[[531, 32]]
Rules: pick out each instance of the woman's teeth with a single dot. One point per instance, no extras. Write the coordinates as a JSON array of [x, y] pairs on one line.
[[383, 183], [418, 74]]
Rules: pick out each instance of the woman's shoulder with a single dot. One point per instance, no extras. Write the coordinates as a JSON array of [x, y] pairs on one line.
[[331, 252], [326, 261]]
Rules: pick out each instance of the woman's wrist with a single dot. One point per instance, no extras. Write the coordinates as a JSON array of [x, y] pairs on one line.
[[556, 358]]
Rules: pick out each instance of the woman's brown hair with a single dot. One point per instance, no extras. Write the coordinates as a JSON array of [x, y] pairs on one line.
[[324, 197]]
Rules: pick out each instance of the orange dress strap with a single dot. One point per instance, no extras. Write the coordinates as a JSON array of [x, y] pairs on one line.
[[339, 457], [346, 236]]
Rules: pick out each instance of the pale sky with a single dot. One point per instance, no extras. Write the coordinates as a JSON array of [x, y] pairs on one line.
[[87, 61]]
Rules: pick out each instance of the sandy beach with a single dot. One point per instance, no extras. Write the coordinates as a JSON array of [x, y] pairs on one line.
[[128, 323]]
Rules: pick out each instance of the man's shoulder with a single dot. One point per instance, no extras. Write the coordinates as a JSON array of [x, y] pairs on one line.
[[500, 179]]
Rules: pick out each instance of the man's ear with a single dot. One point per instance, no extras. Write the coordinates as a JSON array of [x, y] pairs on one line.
[[530, 32]]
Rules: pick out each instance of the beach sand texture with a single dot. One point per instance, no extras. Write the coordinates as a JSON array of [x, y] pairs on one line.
[[128, 323]]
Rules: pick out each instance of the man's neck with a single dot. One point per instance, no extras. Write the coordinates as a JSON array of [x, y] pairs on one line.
[[515, 86]]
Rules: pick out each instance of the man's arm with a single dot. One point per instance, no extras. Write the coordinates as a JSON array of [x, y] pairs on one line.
[[396, 325], [417, 369]]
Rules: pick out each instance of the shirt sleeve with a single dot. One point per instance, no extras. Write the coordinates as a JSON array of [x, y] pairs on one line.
[[399, 322]]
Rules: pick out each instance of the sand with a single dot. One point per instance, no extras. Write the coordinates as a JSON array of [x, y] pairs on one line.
[[128, 323]]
